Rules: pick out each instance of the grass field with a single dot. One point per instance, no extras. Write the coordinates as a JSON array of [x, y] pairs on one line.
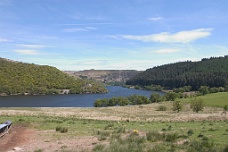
[[214, 132], [215, 99]]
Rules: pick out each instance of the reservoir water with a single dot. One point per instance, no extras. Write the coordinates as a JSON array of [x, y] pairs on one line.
[[71, 100]]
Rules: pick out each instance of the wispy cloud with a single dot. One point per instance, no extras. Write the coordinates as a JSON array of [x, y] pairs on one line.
[[27, 52], [32, 46], [4, 40], [179, 37], [95, 18], [75, 24], [155, 18], [166, 51], [86, 29]]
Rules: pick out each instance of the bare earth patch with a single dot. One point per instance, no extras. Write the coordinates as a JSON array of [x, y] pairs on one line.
[[21, 138], [17, 136]]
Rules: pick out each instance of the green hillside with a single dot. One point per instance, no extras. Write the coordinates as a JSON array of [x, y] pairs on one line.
[[23, 78], [212, 72]]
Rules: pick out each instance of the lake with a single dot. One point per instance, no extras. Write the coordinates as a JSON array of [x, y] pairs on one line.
[[71, 100]]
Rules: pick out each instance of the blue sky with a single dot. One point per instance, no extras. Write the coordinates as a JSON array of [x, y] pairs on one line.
[[112, 34]]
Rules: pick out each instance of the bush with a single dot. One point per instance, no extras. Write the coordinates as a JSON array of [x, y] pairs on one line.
[[162, 108], [197, 105], [98, 148], [225, 148], [154, 136], [64, 130], [103, 135], [172, 137], [190, 132], [61, 129], [225, 108], [155, 97], [177, 106], [171, 96], [58, 128]]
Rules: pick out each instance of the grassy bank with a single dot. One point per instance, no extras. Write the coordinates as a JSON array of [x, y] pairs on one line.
[[219, 99]]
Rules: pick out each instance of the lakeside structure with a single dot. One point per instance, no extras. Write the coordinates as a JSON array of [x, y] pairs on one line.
[[5, 127]]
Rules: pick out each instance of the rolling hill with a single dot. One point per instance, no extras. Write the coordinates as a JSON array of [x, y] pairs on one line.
[[212, 72], [18, 78]]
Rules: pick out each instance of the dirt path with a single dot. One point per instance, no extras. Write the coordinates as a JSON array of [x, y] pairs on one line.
[[18, 135], [21, 138]]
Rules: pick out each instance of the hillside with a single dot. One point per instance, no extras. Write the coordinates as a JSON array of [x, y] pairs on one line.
[[111, 77], [22, 78], [212, 72]]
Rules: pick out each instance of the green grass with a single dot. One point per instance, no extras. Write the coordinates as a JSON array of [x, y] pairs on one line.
[[216, 131], [219, 99]]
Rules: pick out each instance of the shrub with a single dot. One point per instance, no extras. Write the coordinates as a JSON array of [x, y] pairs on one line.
[[225, 108], [154, 136], [98, 148], [172, 137], [162, 108], [64, 130], [203, 145], [190, 132], [204, 90], [197, 104], [155, 97], [58, 128], [171, 96], [103, 135], [61, 129], [120, 130], [225, 148], [177, 106]]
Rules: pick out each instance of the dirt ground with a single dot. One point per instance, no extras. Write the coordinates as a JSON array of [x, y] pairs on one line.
[[17, 136], [22, 138]]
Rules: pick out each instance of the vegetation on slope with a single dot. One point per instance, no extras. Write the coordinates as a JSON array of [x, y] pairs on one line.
[[23, 78], [211, 72]]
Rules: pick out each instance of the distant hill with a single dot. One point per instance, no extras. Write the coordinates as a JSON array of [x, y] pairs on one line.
[[212, 72], [23, 78], [111, 77]]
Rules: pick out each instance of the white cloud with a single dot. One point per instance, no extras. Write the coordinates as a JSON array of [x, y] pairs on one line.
[[86, 29], [31, 46], [4, 40], [166, 51], [179, 37], [155, 18], [27, 52]]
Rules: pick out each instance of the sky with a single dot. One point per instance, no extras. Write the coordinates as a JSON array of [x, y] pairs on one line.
[[112, 34]]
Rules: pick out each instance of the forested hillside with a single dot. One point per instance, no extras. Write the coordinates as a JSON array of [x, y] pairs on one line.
[[23, 78], [212, 72]]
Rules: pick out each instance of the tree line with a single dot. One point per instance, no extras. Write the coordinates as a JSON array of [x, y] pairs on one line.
[[22, 78], [212, 72], [135, 100]]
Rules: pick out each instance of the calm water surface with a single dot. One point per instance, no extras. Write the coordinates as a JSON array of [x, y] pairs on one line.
[[72, 100]]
